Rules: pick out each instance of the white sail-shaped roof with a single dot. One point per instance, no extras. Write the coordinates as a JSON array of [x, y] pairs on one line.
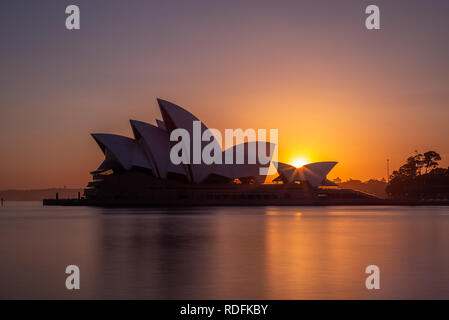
[[151, 149], [157, 146], [125, 150], [176, 117], [249, 169], [313, 173], [109, 163]]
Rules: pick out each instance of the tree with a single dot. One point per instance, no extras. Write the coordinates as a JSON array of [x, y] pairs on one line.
[[409, 181], [431, 159], [419, 160], [412, 167]]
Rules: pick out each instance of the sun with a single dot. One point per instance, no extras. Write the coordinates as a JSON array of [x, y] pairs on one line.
[[299, 162]]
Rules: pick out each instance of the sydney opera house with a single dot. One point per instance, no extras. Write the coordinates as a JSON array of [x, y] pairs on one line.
[[139, 171]]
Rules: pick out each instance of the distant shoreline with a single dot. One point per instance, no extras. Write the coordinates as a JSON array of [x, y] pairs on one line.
[[39, 194]]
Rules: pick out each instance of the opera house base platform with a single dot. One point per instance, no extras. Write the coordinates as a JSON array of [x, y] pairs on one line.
[[139, 190]]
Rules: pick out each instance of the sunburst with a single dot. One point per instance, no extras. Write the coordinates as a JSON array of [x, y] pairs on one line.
[[299, 162]]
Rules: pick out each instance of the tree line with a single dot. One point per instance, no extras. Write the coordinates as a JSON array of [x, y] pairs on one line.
[[420, 178]]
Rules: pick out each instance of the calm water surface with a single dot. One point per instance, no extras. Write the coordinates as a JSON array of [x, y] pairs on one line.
[[224, 253]]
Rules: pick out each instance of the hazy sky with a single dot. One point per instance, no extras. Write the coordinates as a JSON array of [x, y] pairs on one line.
[[335, 90]]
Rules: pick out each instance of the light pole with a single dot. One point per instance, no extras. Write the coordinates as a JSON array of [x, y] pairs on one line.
[[388, 170]]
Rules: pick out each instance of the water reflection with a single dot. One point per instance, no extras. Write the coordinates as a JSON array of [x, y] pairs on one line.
[[225, 253], [188, 255]]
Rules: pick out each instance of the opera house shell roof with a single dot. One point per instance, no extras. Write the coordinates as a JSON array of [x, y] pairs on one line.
[[149, 150], [314, 173]]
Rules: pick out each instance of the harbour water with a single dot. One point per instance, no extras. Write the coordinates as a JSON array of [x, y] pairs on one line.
[[224, 252]]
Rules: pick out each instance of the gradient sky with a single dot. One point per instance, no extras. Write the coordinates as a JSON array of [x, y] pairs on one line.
[[335, 90]]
